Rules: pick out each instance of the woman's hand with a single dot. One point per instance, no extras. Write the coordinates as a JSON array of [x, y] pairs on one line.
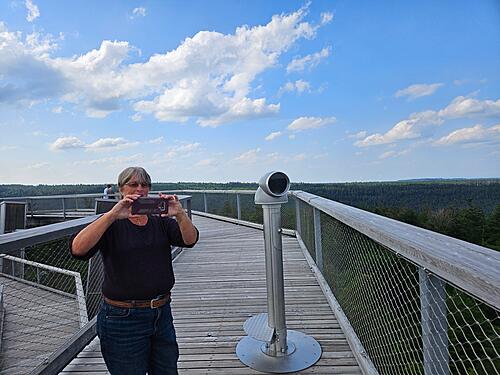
[[174, 206], [122, 209]]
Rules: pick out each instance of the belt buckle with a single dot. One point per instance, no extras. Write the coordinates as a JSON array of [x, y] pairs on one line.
[[153, 300]]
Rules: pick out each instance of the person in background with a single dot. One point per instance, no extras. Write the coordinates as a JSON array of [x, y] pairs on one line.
[[135, 324], [107, 191]]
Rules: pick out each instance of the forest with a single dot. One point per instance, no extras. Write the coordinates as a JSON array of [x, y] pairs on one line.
[[468, 209]]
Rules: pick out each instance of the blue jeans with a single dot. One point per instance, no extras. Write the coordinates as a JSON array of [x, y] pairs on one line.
[[137, 340]]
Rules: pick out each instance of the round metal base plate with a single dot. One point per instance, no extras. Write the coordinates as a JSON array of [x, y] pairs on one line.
[[307, 352]]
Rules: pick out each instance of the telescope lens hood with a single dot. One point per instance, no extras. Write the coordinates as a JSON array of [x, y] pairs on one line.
[[275, 184]]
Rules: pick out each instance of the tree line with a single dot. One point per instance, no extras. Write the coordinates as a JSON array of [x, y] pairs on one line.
[[464, 209]]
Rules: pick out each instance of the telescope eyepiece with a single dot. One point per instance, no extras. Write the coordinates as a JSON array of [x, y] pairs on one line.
[[278, 183], [275, 184]]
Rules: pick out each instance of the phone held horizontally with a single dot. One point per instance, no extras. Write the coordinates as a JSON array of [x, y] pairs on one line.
[[149, 205]]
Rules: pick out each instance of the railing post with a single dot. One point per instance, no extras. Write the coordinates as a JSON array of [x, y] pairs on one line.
[[188, 207], [64, 209], [297, 216], [434, 324], [30, 202], [37, 275], [317, 239], [238, 207], [205, 201], [76, 204]]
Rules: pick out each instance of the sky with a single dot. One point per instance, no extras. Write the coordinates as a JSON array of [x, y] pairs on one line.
[[220, 91]]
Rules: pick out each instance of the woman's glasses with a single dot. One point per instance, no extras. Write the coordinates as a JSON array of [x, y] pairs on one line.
[[136, 184]]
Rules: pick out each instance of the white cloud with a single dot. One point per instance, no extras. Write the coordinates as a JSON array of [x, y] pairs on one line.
[[418, 90], [136, 117], [475, 134], [156, 141], [273, 156], [326, 17], [110, 143], [273, 135], [188, 147], [58, 109], [38, 165], [303, 123], [359, 135], [113, 161], [460, 107], [29, 78], [248, 157], [405, 129], [393, 153], [292, 136], [207, 163], [309, 61], [138, 12], [38, 133], [463, 106], [66, 143], [299, 157], [209, 77], [102, 144], [182, 150], [300, 86], [33, 11]]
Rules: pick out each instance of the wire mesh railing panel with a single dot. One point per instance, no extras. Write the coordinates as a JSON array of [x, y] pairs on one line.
[[249, 210], [80, 203], [378, 292], [197, 202], [44, 291], [222, 204], [307, 227], [45, 205], [288, 211], [408, 320], [473, 334]]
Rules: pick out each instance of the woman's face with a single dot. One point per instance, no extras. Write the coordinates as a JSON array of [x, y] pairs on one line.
[[135, 186]]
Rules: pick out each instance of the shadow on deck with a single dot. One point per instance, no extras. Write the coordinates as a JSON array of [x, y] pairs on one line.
[[220, 283]]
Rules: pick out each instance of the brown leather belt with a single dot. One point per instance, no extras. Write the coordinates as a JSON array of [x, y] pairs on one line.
[[131, 304]]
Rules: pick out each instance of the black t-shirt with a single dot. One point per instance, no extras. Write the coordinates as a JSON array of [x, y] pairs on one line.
[[137, 259]]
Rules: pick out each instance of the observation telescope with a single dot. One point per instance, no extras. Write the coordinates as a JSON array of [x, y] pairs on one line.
[[270, 346]]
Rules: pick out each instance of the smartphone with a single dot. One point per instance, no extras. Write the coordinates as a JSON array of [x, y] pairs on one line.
[[149, 205]]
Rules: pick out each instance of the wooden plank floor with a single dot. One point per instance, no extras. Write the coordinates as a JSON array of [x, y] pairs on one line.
[[219, 284]]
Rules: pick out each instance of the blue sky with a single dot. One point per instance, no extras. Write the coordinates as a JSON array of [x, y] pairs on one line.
[[327, 91]]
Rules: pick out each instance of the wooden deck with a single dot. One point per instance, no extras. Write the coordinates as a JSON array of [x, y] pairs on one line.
[[219, 284]]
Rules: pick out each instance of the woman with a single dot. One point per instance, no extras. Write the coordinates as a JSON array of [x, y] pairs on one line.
[[135, 324]]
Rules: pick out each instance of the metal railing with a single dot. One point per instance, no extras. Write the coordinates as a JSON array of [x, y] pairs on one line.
[[418, 302], [411, 301], [43, 295], [69, 205]]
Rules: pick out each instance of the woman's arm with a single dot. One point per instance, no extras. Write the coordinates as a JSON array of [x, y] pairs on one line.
[[188, 230], [92, 233]]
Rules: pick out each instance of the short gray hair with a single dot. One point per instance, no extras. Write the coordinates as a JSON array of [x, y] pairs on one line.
[[127, 174]]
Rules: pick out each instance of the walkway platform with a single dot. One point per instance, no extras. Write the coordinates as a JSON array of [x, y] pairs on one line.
[[220, 283]]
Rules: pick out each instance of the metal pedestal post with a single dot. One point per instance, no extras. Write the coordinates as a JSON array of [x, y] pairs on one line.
[[269, 346]]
